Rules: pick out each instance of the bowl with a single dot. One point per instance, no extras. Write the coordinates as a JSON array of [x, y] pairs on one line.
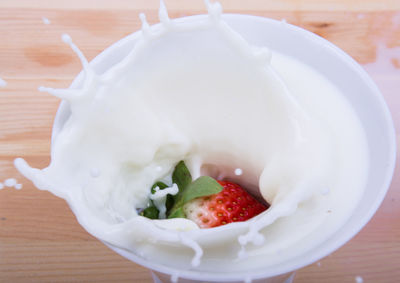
[[339, 68]]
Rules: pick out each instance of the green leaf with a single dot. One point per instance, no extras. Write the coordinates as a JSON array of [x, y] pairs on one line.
[[169, 203], [181, 176], [201, 187], [150, 212], [177, 213]]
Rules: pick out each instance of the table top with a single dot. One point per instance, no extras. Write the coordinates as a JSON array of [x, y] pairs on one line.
[[40, 239]]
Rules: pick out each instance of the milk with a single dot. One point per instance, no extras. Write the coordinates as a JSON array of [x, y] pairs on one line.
[[197, 91]]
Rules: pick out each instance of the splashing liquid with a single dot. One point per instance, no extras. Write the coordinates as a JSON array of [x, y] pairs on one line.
[[195, 90]]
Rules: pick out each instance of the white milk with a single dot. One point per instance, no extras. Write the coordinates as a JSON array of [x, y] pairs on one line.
[[197, 91]]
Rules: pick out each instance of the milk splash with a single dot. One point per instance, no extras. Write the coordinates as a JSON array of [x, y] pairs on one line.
[[11, 183], [46, 21], [124, 133], [160, 197], [3, 83]]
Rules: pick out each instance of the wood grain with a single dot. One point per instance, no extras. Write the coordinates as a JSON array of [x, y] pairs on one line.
[[190, 5], [40, 239]]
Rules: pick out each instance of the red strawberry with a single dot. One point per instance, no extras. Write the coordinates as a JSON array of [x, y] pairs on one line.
[[232, 204]]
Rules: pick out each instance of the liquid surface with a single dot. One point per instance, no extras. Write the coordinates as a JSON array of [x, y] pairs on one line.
[[196, 91]]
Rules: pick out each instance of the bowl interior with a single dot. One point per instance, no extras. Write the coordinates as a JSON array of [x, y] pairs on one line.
[[342, 71]]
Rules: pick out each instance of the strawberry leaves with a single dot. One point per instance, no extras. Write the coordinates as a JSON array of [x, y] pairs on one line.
[[181, 176], [150, 212], [188, 190], [201, 187]]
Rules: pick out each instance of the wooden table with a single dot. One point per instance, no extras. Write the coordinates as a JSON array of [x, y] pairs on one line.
[[40, 240]]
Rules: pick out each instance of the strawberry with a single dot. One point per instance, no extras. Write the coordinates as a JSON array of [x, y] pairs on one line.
[[232, 204], [206, 201]]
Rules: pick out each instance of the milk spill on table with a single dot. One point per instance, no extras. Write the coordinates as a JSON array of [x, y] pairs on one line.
[[197, 91], [11, 183]]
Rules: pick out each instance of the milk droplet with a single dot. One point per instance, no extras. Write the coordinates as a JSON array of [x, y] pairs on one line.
[[163, 13], [1, 186], [68, 40], [360, 16], [18, 186], [174, 277], [46, 21], [66, 94], [359, 279], [198, 251], [238, 171], [242, 254], [3, 83], [325, 191], [71, 94], [11, 182], [145, 24], [258, 239], [214, 9], [95, 172]]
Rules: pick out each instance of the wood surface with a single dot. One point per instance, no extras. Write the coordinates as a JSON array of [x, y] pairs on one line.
[[40, 239]]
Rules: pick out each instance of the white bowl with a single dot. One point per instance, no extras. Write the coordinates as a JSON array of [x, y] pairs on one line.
[[341, 70]]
